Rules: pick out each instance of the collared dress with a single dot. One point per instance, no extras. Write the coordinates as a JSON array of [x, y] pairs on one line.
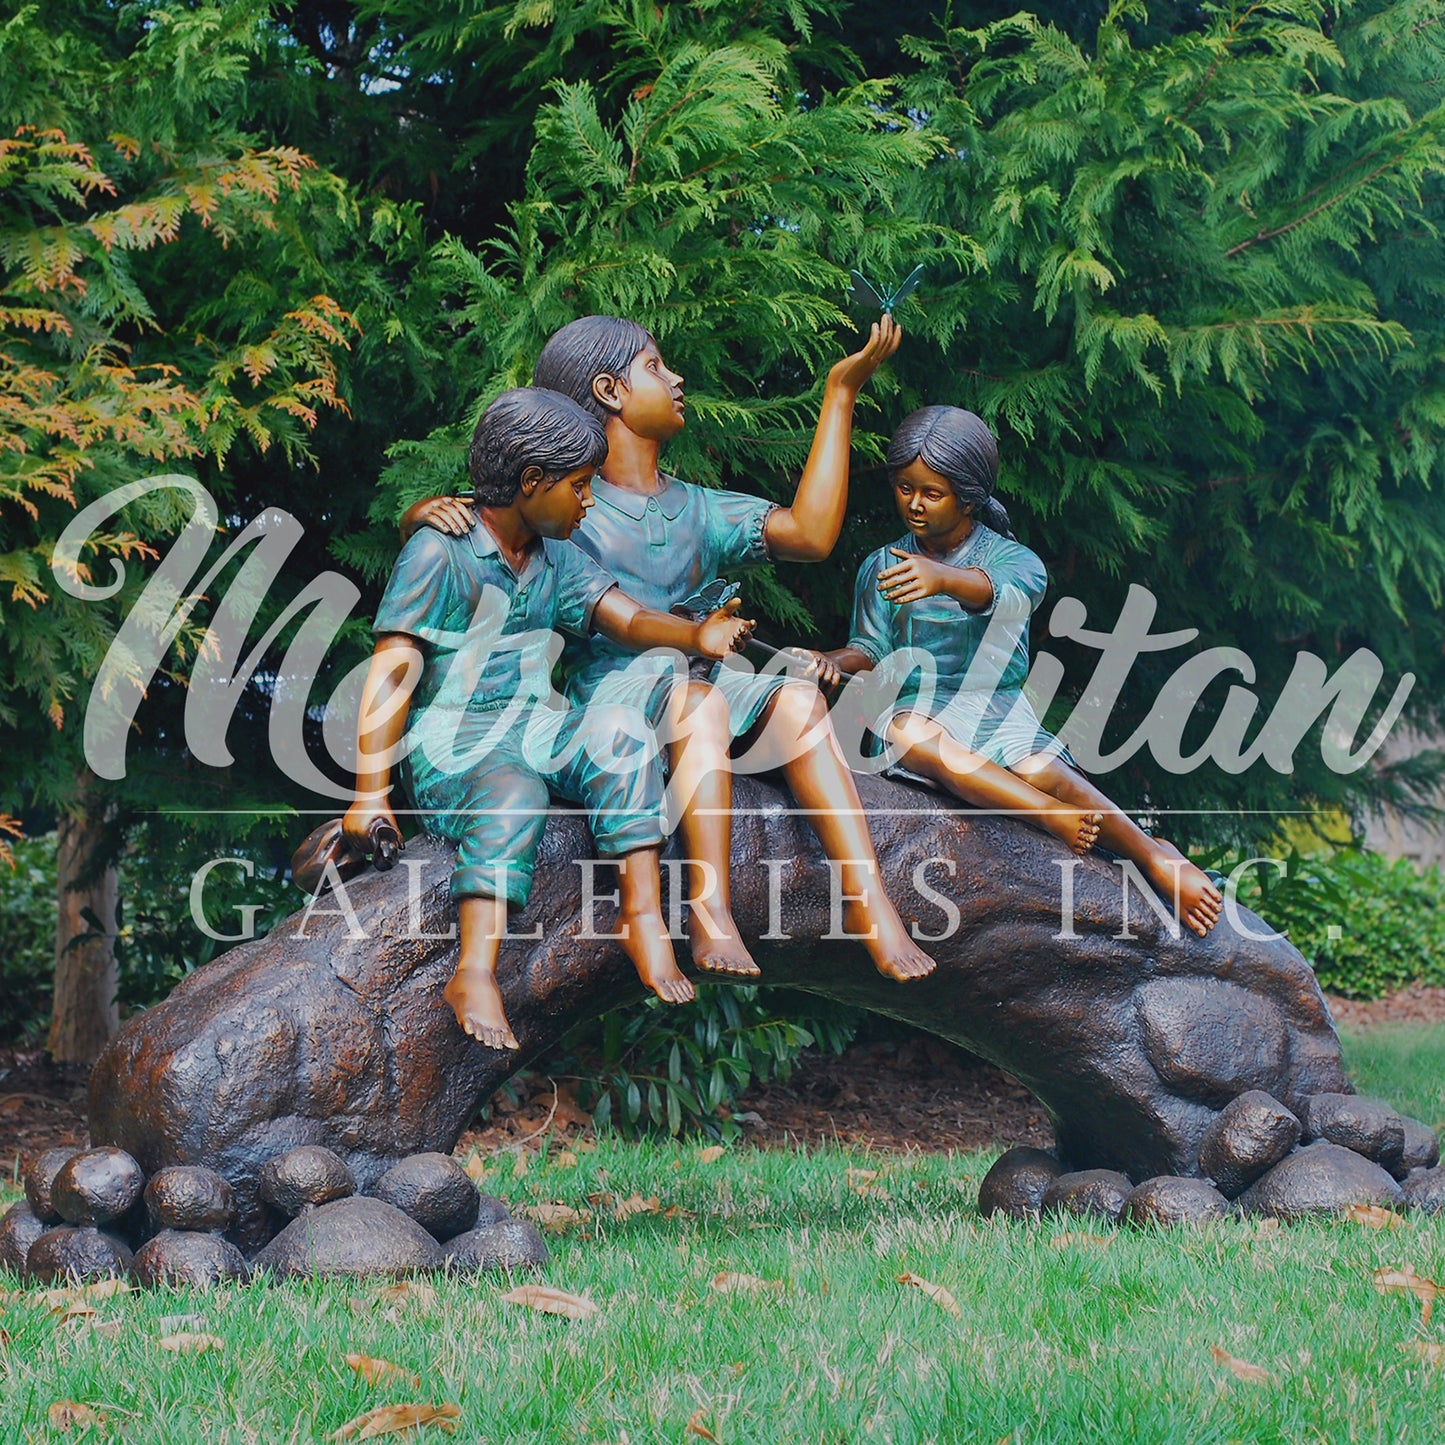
[[662, 548], [965, 668], [488, 735]]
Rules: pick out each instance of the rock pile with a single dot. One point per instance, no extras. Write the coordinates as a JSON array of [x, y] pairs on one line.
[[1256, 1158], [85, 1211]]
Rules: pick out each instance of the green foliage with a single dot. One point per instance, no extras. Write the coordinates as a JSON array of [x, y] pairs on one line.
[[157, 943], [27, 885], [1366, 924], [668, 1069]]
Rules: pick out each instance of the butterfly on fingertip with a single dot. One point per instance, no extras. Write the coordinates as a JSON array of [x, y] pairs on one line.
[[864, 295]]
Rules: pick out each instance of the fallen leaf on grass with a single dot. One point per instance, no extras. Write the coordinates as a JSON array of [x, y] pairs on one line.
[[1431, 1354], [407, 1292], [1374, 1216], [381, 1372], [565, 1160], [190, 1342], [65, 1413], [727, 1282], [520, 1164], [696, 1427], [864, 1181], [1241, 1369], [550, 1301], [476, 1169], [393, 1419], [676, 1211], [711, 1154], [935, 1292], [1406, 1281], [555, 1217], [60, 1300], [1064, 1241], [626, 1208]]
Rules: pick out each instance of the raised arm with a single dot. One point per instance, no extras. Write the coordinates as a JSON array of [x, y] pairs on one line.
[[385, 703], [626, 621], [808, 530]]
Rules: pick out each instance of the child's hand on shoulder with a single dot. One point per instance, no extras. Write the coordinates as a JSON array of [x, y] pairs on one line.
[[451, 515], [724, 631], [914, 578]]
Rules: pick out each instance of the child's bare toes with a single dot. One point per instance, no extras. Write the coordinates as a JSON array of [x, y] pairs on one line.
[[675, 990]]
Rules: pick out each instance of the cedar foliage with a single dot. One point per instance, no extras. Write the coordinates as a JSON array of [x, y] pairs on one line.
[[1187, 262]]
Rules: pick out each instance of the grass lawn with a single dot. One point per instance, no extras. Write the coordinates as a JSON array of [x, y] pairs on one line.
[[1064, 1332]]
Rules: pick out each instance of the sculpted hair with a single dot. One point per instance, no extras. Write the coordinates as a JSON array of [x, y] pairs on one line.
[[957, 445], [530, 427], [585, 349]]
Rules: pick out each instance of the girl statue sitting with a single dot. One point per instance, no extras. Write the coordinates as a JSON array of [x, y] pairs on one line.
[[960, 588]]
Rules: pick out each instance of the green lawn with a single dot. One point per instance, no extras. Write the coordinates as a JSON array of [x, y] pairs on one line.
[[1065, 1333]]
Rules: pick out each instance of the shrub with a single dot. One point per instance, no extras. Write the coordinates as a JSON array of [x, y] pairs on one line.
[[664, 1069], [1366, 924]]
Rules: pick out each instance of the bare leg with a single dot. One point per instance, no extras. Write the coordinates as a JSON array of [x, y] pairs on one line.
[[796, 723], [644, 933], [1200, 902], [701, 787], [473, 992], [932, 753]]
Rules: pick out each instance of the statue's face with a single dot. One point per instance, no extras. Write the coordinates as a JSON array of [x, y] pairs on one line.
[[556, 508], [928, 504], [649, 397]]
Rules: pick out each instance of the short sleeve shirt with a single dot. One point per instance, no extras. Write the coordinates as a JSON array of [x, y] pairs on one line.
[[461, 600], [661, 548], [992, 641]]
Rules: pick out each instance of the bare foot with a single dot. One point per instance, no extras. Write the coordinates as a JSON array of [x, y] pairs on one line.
[[1200, 902], [893, 952], [719, 948], [477, 1002], [1077, 830], [650, 949]]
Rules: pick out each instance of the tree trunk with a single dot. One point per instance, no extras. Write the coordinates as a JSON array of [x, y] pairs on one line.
[[85, 1016]]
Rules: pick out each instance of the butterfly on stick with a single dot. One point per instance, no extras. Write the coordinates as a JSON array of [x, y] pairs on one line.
[[864, 295]]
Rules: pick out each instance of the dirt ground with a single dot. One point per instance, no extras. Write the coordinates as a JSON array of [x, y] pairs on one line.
[[916, 1093]]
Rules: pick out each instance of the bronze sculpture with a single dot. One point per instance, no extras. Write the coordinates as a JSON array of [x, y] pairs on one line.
[[939, 589], [663, 538], [531, 461]]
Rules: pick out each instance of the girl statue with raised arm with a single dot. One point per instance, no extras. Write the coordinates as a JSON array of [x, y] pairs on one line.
[[663, 539]]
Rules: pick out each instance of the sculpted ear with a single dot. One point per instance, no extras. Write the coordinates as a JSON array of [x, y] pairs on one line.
[[530, 480], [608, 390]]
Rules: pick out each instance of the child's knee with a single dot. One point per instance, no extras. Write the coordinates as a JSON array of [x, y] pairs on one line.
[[800, 705]]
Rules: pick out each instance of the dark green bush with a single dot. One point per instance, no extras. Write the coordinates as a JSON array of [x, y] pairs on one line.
[[661, 1069], [27, 939], [1366, 924]]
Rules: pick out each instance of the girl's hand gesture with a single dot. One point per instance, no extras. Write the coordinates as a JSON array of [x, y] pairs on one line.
[[850, 373], [724, 631], [913, 579]]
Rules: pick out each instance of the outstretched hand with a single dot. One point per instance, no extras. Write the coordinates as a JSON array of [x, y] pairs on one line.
[[912, 579], [724, 631], [883, 340]]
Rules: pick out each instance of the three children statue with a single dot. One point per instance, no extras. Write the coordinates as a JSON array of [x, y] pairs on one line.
[[466, 640]]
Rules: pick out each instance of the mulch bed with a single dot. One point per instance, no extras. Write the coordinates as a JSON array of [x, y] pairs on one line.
[[911, 1094]]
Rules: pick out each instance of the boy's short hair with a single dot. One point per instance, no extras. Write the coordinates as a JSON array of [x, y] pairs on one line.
[[585, 349], [530, 426]]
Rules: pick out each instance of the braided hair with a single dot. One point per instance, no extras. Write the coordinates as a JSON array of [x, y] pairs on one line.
[[960, 447]]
